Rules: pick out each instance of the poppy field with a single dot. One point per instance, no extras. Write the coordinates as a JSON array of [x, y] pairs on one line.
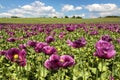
[[71, 51]]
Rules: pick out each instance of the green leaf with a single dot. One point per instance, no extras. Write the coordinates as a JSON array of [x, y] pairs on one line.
[[93, 70], [102, 67], [104, 76]]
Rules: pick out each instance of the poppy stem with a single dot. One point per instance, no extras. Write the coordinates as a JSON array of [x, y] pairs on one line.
[[97, 71], [113, 67], [83, 70], [103, 60], [97, 74]]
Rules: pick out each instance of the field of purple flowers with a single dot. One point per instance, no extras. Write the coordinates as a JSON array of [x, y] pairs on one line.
[[60, 51]]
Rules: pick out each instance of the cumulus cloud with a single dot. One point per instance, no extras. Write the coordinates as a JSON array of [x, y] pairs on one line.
[[35, 9], [69, 7], [40, 9], [103, 9], [114, 12]]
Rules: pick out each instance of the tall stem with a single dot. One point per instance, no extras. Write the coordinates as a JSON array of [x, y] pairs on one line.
[[83, 70], [113, 67], [103, 60]]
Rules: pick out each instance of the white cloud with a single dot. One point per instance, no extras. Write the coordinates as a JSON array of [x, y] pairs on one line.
[[40, 9], [9, 15], [114, 12], [78, 8], [69, 7], [27, 7], [103, 9], [35, 9], [5, 14]]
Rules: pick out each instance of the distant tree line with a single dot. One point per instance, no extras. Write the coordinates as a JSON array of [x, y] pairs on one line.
[[77, 17], [110, 17], [15, 17], [74, 17]]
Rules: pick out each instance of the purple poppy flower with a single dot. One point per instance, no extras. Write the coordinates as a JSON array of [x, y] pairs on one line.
[[49, 50], [66, 61], [31, 43], [22, 58], [11, 33], [22, 63], [49, 39], [53, 62], [1, 27], [39, 47], [11, 39], [94, 32], [106, 38], [40, 29], [100, 27], [77, 43], [118, 30], [61, 35], [16, 55], [22, 46], [70, 28], [104, 50], [2, 52]]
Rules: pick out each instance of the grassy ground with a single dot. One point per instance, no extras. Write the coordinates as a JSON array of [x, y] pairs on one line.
[[57, 20]]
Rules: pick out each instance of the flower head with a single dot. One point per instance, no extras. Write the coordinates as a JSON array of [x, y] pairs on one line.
[[31, 43], [106, 38], [2, 52], [94, 32], [61, 35], [77, 43], [66, 61], [22, 46], [39, 47], [49, 39], [104, 50], [53, 62], [16, 55], [11, 39], [70, 28], [49, 50]]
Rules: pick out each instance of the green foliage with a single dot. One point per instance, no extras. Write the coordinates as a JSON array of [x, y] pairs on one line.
[[58, 20], [88, 67]]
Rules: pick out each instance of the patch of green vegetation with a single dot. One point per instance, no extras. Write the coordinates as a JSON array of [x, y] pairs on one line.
[[58, 20]]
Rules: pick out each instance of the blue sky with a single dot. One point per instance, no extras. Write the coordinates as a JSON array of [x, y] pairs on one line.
[[59, 8]]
